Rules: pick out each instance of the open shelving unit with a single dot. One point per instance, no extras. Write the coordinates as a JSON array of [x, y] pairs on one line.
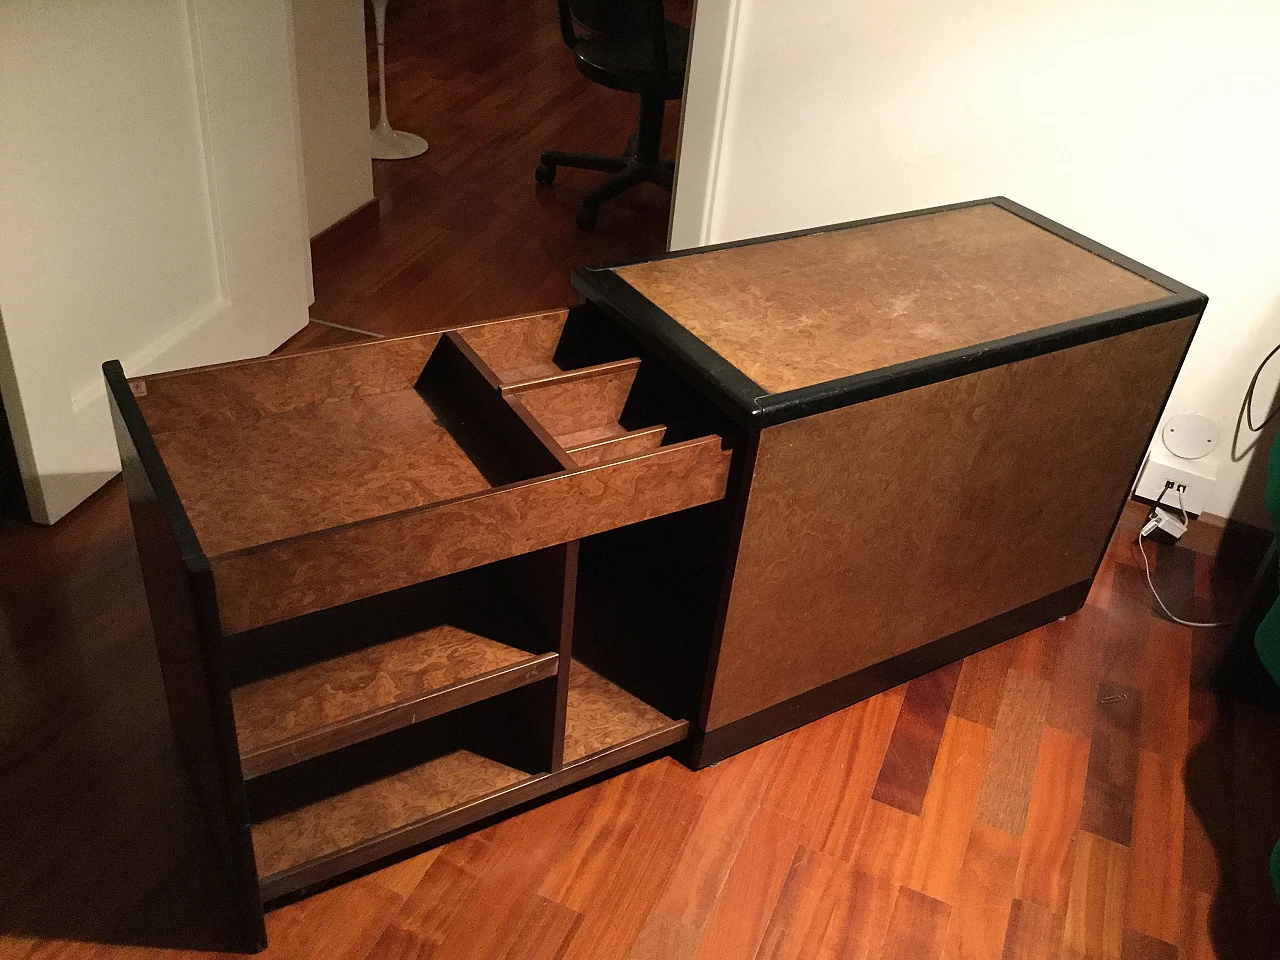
[[362, 567], [454, 785]]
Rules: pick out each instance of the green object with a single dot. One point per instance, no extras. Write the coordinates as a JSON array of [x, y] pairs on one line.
[[1275, 868], [1267, 637]]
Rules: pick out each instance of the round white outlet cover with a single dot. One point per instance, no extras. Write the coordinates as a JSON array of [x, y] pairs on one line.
[[1189, 436]]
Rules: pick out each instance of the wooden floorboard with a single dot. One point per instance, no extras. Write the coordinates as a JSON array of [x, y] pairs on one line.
[[1080, 792]]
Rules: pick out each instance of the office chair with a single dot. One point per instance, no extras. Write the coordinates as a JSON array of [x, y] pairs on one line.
[[626, 45]]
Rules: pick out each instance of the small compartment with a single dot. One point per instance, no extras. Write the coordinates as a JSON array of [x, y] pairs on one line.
[[583, 410], [525, 350], [617, 410], [646, 604], [602, 716], [595, 391], [323, 681], [271, 450]]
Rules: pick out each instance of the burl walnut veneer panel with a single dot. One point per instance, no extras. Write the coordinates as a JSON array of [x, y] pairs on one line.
[[806, 310], [582, 405], [616, 447], [323, 696], [309, 469], [246, 390], [305, 574], [520, 348], [601, 714], [873, 529], [376, 808]]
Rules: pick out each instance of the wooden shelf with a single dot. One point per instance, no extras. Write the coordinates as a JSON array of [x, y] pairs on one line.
[[605, 726], [348, 821], [303, 713], [601, 714]]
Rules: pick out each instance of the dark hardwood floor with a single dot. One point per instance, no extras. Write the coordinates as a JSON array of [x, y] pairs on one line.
[[463, 232], [1078, 792]]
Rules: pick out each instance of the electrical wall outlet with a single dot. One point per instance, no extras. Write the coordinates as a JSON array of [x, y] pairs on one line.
[[1194, 479]]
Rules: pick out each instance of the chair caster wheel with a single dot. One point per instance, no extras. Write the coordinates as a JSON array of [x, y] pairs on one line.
[[587, 218], [545, 175]]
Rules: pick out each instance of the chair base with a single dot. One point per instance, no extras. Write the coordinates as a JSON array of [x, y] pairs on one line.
[[627, 172], [639, 164]]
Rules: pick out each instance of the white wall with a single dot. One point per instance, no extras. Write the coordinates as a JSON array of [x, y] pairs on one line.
[[151, 210], [1152, 126], [333, 100]]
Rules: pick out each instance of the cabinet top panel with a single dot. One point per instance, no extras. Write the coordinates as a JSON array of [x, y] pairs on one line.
[[796, 312]]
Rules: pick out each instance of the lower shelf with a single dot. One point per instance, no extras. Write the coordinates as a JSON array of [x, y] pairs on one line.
[[605, 727], [601, 714], [297, 715]]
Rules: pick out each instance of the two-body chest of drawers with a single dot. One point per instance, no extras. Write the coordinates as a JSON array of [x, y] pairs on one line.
[[401, 586]]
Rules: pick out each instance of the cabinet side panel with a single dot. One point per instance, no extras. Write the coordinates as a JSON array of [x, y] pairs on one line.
[[875, 529], [195, 689]]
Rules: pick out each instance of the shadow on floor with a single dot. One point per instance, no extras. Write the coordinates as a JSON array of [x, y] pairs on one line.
[[101, 836], [1233, 772]]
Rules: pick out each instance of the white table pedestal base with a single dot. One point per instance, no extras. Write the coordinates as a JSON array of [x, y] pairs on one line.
[[384, 142], [388, 144]]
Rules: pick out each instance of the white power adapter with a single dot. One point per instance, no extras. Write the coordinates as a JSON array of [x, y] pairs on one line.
[[1162, 519]]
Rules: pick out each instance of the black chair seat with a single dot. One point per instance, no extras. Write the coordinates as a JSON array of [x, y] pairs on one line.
[[629, 64]]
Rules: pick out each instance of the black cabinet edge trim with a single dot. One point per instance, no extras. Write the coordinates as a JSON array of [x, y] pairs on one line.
[[711, 374], [859, 387], [166, 494]]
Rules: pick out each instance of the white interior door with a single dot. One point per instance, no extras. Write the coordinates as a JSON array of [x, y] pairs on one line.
[[152, 210]]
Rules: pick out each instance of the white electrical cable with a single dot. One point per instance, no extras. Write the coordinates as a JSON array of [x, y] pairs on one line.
[[1147, 566]]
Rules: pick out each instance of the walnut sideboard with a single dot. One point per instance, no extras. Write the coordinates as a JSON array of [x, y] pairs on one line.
[[402, 586]]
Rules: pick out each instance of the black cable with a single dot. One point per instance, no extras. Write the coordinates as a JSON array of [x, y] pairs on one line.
[[1248, 395]]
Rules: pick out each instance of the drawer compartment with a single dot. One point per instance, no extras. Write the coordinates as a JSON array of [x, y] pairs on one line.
[[526, 350], [303, 574], [320, 479], [593, 390]]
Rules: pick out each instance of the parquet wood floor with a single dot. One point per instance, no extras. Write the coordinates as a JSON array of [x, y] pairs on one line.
[[1078, 792], [463, 233]]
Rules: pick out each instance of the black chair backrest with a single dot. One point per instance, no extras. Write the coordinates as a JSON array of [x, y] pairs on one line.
[[623, 19], [620, 20]]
